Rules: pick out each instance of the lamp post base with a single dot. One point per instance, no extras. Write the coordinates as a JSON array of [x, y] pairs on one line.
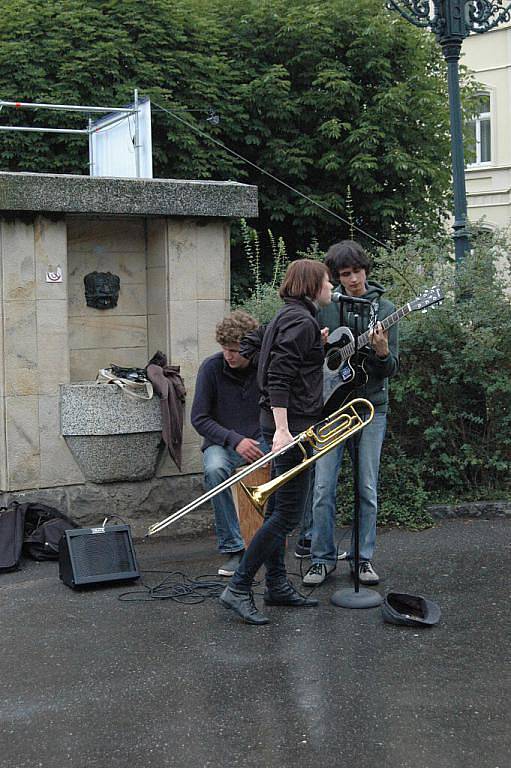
[[364, 598]]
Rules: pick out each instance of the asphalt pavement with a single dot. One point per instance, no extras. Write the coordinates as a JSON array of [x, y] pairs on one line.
[[89, 680]]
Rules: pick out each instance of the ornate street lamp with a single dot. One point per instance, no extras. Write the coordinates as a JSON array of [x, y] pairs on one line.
[[452, 21]]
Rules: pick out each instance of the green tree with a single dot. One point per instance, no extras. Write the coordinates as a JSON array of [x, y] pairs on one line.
[[328, 96], [341, 94], [68, 51]]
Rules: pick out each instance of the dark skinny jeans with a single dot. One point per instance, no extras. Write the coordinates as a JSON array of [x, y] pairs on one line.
[[268, 546]]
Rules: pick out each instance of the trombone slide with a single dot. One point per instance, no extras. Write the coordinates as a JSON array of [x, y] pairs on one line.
[[323, 437]]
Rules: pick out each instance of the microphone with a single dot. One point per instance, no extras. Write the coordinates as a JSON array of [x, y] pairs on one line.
[[342, 298]]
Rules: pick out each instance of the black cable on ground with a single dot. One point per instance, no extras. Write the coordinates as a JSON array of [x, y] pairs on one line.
[[176, 586]]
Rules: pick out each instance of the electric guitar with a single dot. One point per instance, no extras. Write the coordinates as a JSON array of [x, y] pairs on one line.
[[340, 376]]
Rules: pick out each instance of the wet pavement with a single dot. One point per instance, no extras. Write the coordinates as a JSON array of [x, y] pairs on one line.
[[88, 680]]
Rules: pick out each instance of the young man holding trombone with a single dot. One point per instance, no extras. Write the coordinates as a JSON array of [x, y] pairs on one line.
[[290, 379]]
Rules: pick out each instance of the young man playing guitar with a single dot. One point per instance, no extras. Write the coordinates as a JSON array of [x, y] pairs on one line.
[[349, 266]]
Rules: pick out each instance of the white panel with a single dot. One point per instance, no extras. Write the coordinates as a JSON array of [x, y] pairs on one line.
[[113, 151]]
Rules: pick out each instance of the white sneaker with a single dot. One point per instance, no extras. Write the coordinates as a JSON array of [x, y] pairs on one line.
[[317, 574], [367, 574]]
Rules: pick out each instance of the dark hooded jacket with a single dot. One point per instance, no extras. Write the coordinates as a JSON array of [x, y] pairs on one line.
[[378, 370], [290, 358]]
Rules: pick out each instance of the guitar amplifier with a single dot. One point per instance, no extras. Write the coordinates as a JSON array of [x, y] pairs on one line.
[[91, 556]]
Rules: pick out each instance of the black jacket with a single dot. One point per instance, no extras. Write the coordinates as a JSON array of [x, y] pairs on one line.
[[224, 408], [290, 364]]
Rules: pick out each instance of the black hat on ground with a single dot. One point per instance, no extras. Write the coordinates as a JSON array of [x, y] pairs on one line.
[[409, 610]]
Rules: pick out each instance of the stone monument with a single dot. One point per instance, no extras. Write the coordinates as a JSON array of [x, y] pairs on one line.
[[168, 243]]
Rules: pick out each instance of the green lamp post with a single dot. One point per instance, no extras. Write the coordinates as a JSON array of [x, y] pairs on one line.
[[452, 21]]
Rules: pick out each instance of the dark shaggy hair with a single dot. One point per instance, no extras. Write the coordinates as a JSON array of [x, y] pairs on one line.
[[347, 253]]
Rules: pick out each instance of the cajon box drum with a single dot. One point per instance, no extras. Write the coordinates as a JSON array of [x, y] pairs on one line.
[[249, 517]]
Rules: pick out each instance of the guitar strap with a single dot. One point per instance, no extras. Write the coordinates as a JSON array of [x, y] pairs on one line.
[[373, 319]]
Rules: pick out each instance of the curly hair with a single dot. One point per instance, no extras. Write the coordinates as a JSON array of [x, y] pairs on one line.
[[233, 327]]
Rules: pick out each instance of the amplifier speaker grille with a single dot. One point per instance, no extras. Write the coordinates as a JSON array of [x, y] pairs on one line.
[[93, 555]]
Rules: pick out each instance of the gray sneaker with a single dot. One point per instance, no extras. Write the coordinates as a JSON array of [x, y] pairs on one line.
[[231, 564], [317, 574], [367, 574]]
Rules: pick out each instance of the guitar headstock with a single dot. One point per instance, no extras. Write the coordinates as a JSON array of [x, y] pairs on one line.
[[427, 299]]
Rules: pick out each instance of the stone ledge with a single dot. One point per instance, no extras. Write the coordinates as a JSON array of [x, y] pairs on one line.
[[60, 193], [486, 510], [138, 504]]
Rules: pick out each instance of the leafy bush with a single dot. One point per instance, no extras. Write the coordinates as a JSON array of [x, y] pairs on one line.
[[450, 403], [263, 299]]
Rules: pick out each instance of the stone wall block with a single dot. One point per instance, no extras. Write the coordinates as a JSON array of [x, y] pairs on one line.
[[22, 428], [156, 291], [184, 332], [85, 363], [209, 313], [52, 346], [108, 331], [182, 260], [156, 242], [157, 335], [50, 238], [132, 301], [2, 350], [213, 272], [58, 466], [191, 462], [18, 260], [108, 235], [129, 266], [20, 348], [3, 447]]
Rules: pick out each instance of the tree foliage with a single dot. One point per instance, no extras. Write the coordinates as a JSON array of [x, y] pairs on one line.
[[451, 401], [325, 95]]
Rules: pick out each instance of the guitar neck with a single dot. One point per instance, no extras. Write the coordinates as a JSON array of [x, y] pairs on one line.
[[386, 323]]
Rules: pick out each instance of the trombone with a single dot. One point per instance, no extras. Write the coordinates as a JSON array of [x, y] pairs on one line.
[[321, 437]]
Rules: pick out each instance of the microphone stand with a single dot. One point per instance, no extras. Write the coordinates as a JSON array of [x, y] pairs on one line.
[[356, 598]]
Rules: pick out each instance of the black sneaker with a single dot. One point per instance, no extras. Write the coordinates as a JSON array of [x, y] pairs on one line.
[[303, 548], [231, 563]]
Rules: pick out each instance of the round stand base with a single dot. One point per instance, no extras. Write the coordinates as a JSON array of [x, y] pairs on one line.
[[364, 598]]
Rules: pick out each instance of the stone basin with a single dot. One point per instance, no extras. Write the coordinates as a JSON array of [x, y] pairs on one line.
[[113, 437]]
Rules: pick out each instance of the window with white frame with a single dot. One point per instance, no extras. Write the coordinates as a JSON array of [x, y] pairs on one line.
[[481, 131]]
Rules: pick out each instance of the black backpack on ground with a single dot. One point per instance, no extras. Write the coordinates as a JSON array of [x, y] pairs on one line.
[[44, 527], [12, 522]]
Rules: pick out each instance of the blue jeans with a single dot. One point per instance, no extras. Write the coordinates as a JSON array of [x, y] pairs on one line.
[[322, 530], [268, 545], [219, 464]]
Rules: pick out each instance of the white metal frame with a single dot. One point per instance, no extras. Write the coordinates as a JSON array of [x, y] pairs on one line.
[[120, 113]]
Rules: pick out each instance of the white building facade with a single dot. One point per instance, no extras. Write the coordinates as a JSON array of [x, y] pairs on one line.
[[488, 178]]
